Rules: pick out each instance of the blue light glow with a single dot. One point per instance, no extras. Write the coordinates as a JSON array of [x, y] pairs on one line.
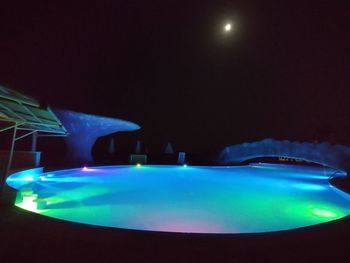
[[43, 178], [28, 178], [325, 154], [310, 187], [198, 199], [84, 129]]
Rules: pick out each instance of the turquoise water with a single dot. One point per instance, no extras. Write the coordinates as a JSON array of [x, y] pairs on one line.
[[240, 199]]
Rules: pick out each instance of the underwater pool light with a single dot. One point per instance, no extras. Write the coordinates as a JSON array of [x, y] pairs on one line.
[[28, 178], [324, 213]]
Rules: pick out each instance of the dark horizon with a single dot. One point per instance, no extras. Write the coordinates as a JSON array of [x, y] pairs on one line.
[[282, 73]]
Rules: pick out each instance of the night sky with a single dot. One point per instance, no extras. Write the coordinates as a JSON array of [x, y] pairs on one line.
[[282, 72]]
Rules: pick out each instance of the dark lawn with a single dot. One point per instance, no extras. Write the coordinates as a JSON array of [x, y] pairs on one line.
[[29, 237]]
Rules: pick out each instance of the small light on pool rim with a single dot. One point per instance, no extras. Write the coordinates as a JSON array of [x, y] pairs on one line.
[[138, 165], [185, 165]]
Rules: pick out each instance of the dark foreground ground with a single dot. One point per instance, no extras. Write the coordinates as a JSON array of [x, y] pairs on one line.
[[28, 237]]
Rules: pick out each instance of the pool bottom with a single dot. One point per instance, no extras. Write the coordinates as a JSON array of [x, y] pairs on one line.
[[244, 199]]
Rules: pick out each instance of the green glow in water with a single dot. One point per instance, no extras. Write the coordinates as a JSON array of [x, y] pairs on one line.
[[195, 199]]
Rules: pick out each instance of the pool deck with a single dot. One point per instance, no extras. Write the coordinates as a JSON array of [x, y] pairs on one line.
[[29, 237]]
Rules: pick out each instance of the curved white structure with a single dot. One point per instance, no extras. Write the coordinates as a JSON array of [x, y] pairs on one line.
[[83, 131]]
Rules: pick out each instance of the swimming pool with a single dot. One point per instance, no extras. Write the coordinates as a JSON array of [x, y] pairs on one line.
[[191, 199]]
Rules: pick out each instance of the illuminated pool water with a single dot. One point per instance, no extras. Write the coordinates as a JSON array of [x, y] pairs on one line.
[[243, 199]]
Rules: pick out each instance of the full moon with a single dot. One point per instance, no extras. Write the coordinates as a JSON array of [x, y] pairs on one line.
[[228, 27]]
